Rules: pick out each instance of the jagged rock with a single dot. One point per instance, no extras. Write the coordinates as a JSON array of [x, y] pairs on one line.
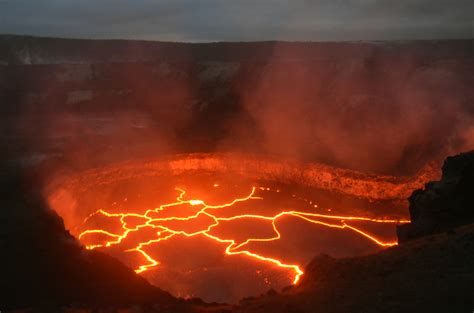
[[433, 274], [44, 267], [444, 204]]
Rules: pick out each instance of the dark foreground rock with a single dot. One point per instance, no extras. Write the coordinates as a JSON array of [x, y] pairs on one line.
[[433, 274], [43, 266], [445, 204]]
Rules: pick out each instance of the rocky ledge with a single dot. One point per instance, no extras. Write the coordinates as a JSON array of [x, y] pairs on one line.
[[443, 205]]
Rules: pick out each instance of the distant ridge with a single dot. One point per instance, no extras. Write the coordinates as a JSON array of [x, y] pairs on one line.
[[16, 49]]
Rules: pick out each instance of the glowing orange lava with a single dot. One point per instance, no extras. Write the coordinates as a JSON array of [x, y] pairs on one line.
[[163, 225]]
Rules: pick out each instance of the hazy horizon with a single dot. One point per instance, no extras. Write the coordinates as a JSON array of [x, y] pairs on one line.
[[234, 41], [240, 21]]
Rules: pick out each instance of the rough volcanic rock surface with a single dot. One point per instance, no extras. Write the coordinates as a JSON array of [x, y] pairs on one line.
[[434, 274], [443, 204], [44, 267]]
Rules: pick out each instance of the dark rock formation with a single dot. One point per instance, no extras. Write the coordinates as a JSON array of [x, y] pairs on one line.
[[445, 204], [43, 266], [434, 274]]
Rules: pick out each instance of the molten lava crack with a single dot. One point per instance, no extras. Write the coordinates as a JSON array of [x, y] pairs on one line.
[[200, 219]]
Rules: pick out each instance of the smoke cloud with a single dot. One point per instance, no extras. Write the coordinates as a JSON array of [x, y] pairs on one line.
[[388, 107], [372, 112]]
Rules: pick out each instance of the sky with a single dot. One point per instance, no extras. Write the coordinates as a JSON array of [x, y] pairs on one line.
[[240, 20]]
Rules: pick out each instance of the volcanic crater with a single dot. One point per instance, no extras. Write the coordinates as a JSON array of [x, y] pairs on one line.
[[226, 226]]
